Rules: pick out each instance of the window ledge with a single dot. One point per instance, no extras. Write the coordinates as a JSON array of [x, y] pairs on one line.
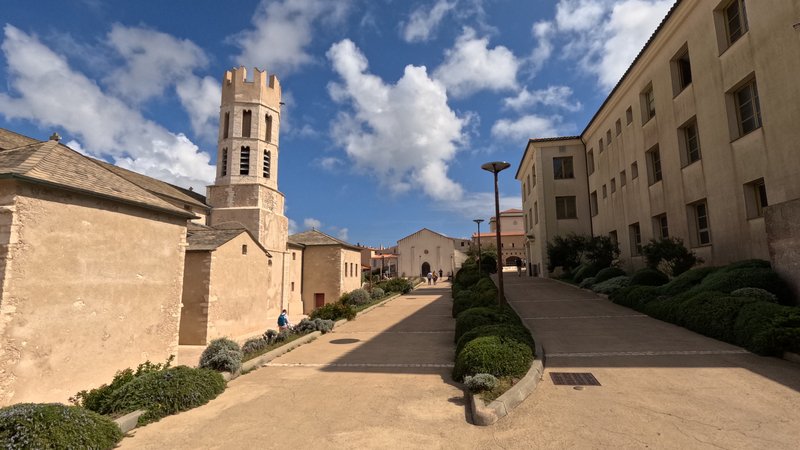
[[755, 218], [702, 245], [741, 136], [732, 44]]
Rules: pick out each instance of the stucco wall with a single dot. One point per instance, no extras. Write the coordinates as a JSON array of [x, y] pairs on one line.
[[441, 253], [294, 287], [352, 279], [194, 312], [321, 274], [90, 287]]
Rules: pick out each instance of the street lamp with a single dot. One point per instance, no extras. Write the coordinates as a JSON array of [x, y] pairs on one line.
[[496, 167], [478, 221]]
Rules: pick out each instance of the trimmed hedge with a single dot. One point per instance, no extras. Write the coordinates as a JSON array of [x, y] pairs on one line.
[[476, 317], [686, 280], [168, 392], [516, 332], [469, 298], [728, 280], [612, 285], [400, 285], [757, 293], [585, 271], [333, 311], [649, 277], [494, 355], [635, 296], [608, 273], [53, 425], [587, 283]]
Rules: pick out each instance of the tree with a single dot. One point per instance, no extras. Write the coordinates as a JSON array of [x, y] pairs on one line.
[[672, 254], [566, 252]]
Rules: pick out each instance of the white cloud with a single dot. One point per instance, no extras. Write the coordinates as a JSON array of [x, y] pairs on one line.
[[292, 227], [556, 96], [282, 31], [46, 90], [330, 163], [405, 134], [341, 233], [310, 222], [422, 22], [481, 204], [526, 127], [580, 15], [200, 98], [543, 32], [471, 66]]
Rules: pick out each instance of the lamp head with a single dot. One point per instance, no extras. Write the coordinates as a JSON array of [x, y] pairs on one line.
[[495, 166], [478, 221]]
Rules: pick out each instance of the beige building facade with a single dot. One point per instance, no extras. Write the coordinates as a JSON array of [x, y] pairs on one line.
[[696, 141], [512, 236], [426, 251]]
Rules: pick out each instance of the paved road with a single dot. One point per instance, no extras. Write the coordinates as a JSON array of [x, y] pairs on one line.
[[383, 381]]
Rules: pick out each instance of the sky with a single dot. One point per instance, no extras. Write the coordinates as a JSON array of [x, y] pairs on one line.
[[390, 108]]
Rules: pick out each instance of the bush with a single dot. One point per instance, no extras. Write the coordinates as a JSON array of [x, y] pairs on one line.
[[222, 355], [358, 297], [493, 355], [686, 280], [565, 252], [476, 317], [612, 285], [488, 264], [269, 335], [634, 296], [768, 329], [601, 251], [466, 277], [324, 326], [400, 285], [254, 345], [517, 332], [309, 326], [587, 283], [480, 382], [377, 293], [333, 311], [282, 336], [759, 294], [99, 399], [649, 277], [747, 264], [53, 425], [585, 271], [672, 254], [608, 273], [728, 280], [469, 298], [168, 392], [484, 284]]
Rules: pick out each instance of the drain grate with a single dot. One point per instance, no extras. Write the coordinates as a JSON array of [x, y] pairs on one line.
[[574, 379]]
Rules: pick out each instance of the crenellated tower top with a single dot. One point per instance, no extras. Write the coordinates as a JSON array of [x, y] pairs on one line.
[[263, 88]]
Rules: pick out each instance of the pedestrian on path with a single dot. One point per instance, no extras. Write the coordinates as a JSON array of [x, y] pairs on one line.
[[430, 278], [440, 273], [519, 267], [435, 277], [283, 321]]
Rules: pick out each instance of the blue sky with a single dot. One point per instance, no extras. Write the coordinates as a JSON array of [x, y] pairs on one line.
[[391, 106]]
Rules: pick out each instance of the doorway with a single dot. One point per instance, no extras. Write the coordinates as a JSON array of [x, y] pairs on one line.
[[426, 269], [319, 300]]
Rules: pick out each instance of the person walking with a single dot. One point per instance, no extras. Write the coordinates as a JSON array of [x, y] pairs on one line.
[[440, 273], [519, 267], [430, 278], [283, 321]]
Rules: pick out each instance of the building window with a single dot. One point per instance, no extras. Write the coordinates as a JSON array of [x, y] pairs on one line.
[[623, 179], [244, 249], [292, 286], [268, 135], [608, 137], [535, 212], [533, 175], [224, 162], [244, 161], [690, 143], [565, 208], [267, 162], [636, 239], [634, 170], [294, 256], [681, 71], [593, 203], [605, 191], [530, 218], [648, 104], [247, 117], [562, 168], [629, 115], [226, 125], [619, 127], [755, 198], [600, 145], [613, 185], [529, 184], [748, 111], [613, 236], [590, 161], [735, 20], [702, 228], [345, 269], [660, 226], [653, 165]]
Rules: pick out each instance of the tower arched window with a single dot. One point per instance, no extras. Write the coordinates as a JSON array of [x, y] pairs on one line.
[[247, 116], [226, 123], [267, 162], [224, 163], [244, 161], [269, 129]]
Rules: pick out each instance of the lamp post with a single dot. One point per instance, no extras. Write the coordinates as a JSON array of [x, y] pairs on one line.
[[496, 167], [478, 221]]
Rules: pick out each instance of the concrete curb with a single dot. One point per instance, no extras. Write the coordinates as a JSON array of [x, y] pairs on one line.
[[272, 354], [483, 414], [129, 421], [793, 357]]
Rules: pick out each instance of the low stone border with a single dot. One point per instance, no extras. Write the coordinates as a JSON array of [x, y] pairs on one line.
[[483, 414], [129, 421], [793, 357]]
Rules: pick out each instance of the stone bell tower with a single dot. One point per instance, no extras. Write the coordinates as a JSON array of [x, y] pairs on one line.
[[246, 186]]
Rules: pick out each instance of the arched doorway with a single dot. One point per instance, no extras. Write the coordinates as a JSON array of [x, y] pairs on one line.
[[426, 268], [512, 260]]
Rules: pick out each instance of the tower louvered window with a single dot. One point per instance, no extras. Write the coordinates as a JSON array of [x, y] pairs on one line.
[[224, 162], [267, 162], [246, 125], [244, 161]]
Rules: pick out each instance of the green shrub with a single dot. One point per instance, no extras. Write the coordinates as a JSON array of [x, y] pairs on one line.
[[467, 299], [634, 296], [711, 313], [747, 264], [311, 325], [476, 317], [168, 392], [728, 280], [484, 284], [612, 285], [377, 293], [493, 355], [358, 297], [671, 254], [686, 280], [99, 399], [587, 283], [333, 311], [222, 355], [585, 271], [515, 331], [480, 382], [254, 345], [53, 426], [565, 252], [601, 251], [608, 273], [488, 264], [400, 285], [344, 298], [466, 277], [649, 277], [767, 328], [756, 293]]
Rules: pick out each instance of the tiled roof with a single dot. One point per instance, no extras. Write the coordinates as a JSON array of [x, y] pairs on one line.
[[53, 164], [153, 185], [203, 238], [316, 237], [502, 233], [551, 139], [9, 139]]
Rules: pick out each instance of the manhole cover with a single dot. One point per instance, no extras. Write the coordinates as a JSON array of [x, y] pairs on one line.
[[574, 379], [344, 341]]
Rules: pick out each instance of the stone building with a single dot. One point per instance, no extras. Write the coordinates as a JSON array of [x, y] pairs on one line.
[[426, 251], [512, 236], [696, 141], [331, 267]]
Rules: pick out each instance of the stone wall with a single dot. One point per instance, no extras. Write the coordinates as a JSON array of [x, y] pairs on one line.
[[783, 238]]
